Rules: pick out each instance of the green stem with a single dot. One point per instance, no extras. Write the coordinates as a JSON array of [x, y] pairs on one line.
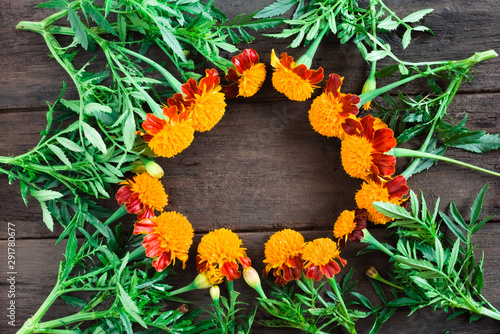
[[307, 57], [74, 318], [31, 324], [465, 63], [350, 324], [369, 239], [404, 152]]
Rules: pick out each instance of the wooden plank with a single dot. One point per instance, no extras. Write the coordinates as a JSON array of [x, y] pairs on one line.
[[263, 167], [33, 78], [36, 276]]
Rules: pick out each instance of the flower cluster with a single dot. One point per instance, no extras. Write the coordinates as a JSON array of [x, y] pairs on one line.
[[287, 256]]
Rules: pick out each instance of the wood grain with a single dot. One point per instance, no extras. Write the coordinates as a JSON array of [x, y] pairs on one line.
[[263, 168]]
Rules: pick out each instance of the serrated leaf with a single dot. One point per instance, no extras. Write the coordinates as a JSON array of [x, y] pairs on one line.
[[392, 210], [421, 282], [77, 25], [170, 39], [129, 305], [69, 144], [477, 205], [453, 257], [47, 217], [388, 24], [439, 253], [129, 131], [484, 143], [417, 16], [275, 9], [376, 55], [98, 18], [94, 137], [406, 38], [453, 227], [296, 42], [333, 24], [74, 301], [45, 195], [92, 107], [60, 154]]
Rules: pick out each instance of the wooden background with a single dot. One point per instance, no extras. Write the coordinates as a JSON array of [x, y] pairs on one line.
[[262, 168]]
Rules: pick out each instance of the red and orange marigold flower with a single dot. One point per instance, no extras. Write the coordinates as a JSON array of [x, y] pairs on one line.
[[219, 256], [297, 82], [363, 149], [170, 135], [330, 109], [350, 225], [283, 256], [247, 76], [374, 190], [168, 237], [319, 258], [142, 194], [204, 102]]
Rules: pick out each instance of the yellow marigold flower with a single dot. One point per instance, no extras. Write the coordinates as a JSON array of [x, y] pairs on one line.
[[248, 75], [297, 82], [319, 258], [219, 253], [142, 195], [363, 149], [205, 102], [330, 109], [350, 225], [375, 190], [168, 237], [282, 256], [168, 137]]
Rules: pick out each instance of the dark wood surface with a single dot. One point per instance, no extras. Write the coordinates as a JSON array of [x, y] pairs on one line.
[[262, 168]]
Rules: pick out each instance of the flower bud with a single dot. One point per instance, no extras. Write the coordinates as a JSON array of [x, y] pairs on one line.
[[251, 277], [372, 272], [138, 167], [215, 293], [154, 169], [370, 84], [183, 308], [202, 282]]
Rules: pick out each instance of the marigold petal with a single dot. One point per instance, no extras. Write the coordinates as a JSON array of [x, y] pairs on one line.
[[163, 260], [385, 163], [144, 226]]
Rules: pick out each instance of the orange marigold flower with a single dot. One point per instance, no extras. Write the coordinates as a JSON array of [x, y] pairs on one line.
[[219, 253], [350, 225], [297, 82], [141, 195], [319, 258], [171, 135], [282, 256], [374, 190], [248, 76], [330, 109], [204, 102], [168, 237], [363, 149]]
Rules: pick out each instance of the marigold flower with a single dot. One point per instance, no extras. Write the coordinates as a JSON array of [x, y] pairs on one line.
[[297, 82], [374, 190], [142, 195], [363, 149], [350, 225], [168, 237], [330, 109], [282, 256], [168, 137], [204, 102], [248, 76], [319, 258], [219, 253]]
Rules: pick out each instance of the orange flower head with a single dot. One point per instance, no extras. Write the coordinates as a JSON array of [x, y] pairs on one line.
[[248, 75], [283, 256], [219, 254], [297, 82], [374, 190], [330, 109], [204, 102], [319, 258], [350, 225], [168, 237], [142, 195], [170, 135], [363, 149]]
